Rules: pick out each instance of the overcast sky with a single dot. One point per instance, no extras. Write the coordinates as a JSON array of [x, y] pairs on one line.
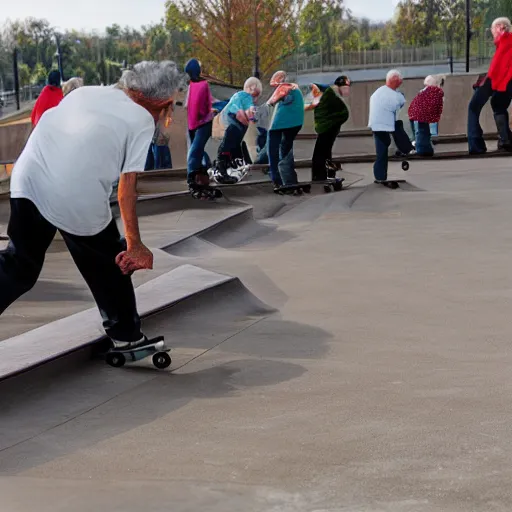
[[97, 14]]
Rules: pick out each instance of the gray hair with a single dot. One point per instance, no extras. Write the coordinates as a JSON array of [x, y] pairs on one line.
[[394, 73], [253, 84], [503, 22], [154, 80], [72, 84]]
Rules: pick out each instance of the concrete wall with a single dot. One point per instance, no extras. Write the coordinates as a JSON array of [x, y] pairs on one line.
[[458, 91], [12, 140]]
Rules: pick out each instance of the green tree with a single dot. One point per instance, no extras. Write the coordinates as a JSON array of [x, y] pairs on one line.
[[228, 34], [39, 74], [24, 74]]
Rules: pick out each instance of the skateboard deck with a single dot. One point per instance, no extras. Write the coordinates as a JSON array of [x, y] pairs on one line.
[[330, 184], [156, 347]]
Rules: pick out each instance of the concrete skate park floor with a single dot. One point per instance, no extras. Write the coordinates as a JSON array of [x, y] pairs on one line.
[[376, 380]]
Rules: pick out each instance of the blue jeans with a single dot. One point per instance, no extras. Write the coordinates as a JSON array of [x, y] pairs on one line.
[[423, 140], [280, 153], [262, 146], [159, 157], [198, 139], [434, 129], [382, 143]]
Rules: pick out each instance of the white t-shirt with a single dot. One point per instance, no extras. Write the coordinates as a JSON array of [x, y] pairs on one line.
[[384, 105], [76, 154]]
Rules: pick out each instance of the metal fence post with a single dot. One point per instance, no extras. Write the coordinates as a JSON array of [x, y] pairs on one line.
[[16, 77]]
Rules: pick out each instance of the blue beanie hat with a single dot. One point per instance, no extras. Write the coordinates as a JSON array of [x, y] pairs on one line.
[[54, 78], [193, 69]]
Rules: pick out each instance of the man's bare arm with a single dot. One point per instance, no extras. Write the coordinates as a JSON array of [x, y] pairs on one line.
[[137, 256], [127, 197]]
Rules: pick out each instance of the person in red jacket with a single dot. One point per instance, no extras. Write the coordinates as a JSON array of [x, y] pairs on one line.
[[426, 109], [497, 86], [50, 97]]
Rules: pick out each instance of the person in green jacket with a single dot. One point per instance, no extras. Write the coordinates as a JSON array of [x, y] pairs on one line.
[[330, 113]]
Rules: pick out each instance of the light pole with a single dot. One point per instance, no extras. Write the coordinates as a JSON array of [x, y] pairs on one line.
[[256, 42], [16, 77], [468, 33], [58, 55]]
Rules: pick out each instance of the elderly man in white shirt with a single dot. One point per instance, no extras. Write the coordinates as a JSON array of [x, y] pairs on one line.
[[63, 180], [385, 103]]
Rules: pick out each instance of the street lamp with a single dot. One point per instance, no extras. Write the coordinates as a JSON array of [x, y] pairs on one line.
[[256, 41], [468, 33], [58, 56]]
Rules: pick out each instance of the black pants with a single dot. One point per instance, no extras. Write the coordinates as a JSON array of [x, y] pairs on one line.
[[323, 152], [231, 144], [21, 263], [500, 101]]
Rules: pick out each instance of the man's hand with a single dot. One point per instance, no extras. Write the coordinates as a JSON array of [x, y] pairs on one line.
[[241, 116], [137, 257]]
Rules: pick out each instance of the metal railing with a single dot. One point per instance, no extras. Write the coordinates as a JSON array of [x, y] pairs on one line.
[[435, 54]]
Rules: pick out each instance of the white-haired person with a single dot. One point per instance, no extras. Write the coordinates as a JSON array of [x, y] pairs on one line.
[[62, 182], [236, 116], [385, 103], [286, 123], [496, 86], [426, 109], [72, 84]]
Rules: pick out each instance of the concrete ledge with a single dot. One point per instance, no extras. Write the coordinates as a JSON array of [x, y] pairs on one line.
[[84, 329]]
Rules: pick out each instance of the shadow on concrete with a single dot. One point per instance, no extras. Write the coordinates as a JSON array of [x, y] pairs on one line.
[[54, 291], [44, 417], [51, 419]]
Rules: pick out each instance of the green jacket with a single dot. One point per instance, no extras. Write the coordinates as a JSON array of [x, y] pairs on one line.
[[331, 112]]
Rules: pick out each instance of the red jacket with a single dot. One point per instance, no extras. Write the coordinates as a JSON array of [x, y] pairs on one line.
[[500, 70], [50, 97], [427, 106]]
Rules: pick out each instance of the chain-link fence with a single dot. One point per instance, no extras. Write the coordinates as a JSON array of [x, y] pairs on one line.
[[436, 54]]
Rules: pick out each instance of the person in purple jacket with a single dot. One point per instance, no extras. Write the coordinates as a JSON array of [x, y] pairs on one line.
[[200, 120]]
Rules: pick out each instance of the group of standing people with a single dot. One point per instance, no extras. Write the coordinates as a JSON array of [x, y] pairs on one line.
[[426, 109], [276, 131]]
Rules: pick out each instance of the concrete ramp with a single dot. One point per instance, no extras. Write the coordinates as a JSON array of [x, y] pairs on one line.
[[83, 330]]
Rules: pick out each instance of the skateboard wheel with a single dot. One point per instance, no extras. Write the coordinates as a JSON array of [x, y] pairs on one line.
[[217, 193], [405, 166], [162, 360], [116, 359], [337, 186], [327, 188], [307, 189]]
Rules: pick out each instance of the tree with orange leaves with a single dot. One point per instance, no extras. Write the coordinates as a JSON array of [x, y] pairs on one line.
[[236, 38]]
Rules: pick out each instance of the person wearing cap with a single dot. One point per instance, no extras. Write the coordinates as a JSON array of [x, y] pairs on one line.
[[330, 114], [50, 97], [236, 116], [200, 116], [63, 180]]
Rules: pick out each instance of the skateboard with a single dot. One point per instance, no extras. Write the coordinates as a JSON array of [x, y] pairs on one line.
[[392, 184], [205, 192], [156, 348], [330, 184]]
